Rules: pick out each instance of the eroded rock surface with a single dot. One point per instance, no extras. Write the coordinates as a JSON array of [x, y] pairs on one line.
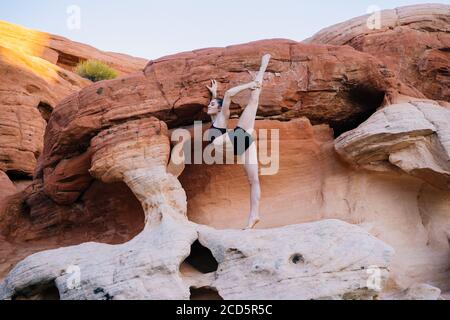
[[335, 85], [421, 291], [413, 41], [102, 180], [245, 271], [36, 71]]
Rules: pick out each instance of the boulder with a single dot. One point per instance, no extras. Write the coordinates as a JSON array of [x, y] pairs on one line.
[[413, 42], [413, 137], [294, 261], [105, 197]]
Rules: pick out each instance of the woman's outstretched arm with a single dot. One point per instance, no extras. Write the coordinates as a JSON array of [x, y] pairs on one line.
[[234, 91]]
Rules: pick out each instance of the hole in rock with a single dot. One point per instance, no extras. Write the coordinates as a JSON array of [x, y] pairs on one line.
[[31, 88], [42, 292], [297, 258], [364, 102], [67, 61], [201, 259], [15, 175], [104, 295], [205, 294], [46, 110]]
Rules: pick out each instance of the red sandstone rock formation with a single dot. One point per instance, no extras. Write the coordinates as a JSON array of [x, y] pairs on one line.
[[61, 51], [36, 71], [413, 41]]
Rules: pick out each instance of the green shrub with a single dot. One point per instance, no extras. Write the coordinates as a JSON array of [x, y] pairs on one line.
[[95, 70]]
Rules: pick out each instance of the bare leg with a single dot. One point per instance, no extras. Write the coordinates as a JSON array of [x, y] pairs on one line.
[[247, 122], [251, 168], [248, 117], [221, 120]]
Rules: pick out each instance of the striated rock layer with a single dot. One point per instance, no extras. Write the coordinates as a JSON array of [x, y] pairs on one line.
[[413, 41]]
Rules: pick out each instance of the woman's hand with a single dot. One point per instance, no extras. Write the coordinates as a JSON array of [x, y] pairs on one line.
[[213, 88]]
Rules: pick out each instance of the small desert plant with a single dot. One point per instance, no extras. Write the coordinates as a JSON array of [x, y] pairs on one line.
[[95, 70]]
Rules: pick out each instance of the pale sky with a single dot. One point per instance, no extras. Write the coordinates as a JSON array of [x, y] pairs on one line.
[[151, 29]]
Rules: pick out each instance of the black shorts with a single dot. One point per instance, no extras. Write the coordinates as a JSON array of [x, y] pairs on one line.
[[240, 138]]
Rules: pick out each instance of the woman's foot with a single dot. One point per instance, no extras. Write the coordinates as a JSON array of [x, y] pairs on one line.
[[264, 65], [252, 222]]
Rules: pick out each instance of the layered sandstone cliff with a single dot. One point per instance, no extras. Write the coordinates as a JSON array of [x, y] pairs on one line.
[[36, 71]]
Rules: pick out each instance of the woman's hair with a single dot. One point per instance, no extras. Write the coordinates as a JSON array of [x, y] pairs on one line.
[[219, 101]]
